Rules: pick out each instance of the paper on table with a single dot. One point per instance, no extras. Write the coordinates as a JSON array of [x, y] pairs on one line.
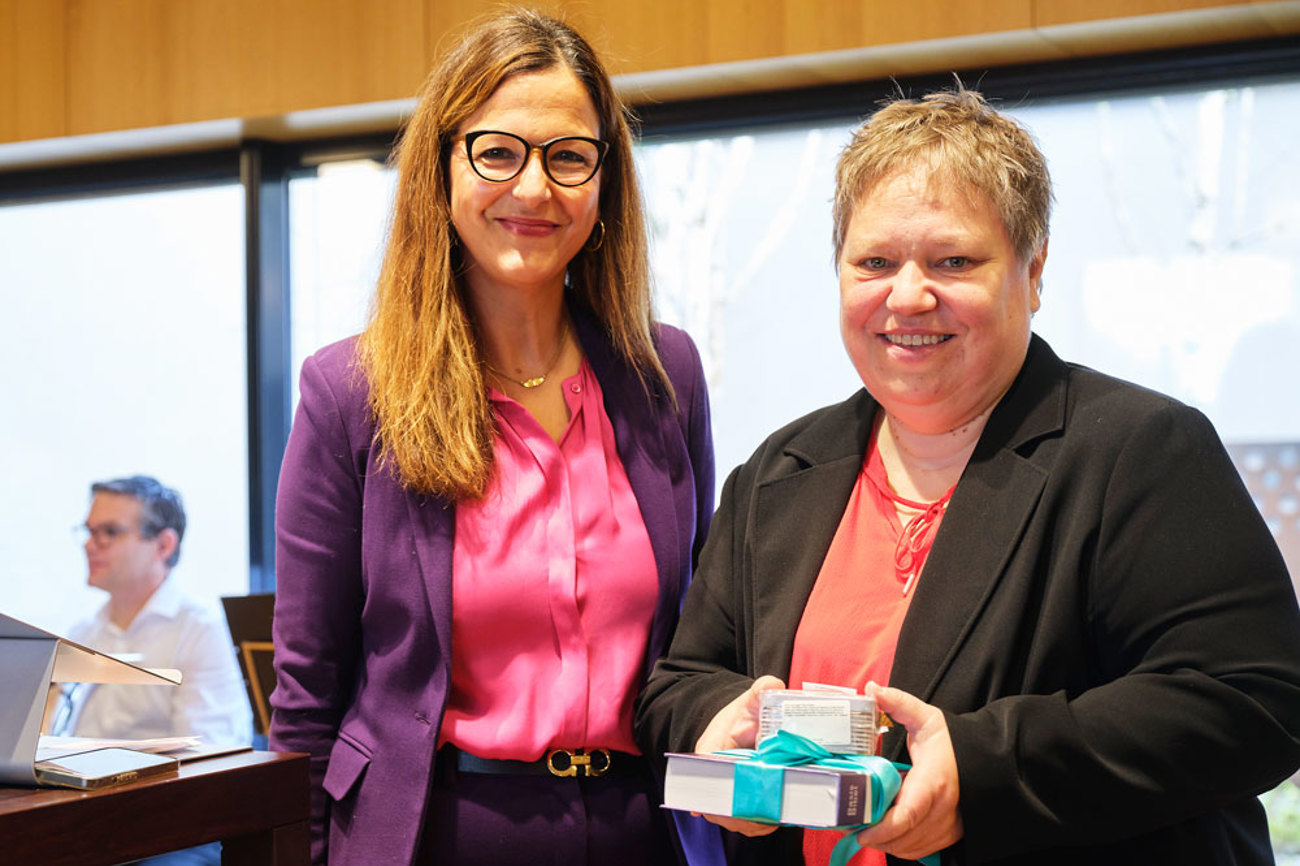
[[53, 747], [200, 752]]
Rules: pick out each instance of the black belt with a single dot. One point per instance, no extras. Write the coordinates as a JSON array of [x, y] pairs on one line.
[[580, 763]]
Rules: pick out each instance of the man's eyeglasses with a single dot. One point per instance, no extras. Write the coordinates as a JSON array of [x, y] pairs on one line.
[[501, 156], [104, 534]]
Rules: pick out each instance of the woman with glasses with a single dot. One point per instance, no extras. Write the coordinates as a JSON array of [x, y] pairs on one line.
[[491, 499]]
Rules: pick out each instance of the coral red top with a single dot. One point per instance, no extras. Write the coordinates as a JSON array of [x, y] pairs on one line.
[[850, 625]]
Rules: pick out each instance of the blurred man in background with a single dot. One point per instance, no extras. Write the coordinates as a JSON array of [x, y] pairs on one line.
[[133, 540]]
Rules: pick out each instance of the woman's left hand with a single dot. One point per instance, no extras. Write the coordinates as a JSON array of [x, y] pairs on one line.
[[924, 818]]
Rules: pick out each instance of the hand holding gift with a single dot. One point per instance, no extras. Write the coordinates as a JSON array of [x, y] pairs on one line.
[[735, 727], [924, 817]]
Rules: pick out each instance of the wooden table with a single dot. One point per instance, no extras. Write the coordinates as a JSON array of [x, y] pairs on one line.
[[255, 803]]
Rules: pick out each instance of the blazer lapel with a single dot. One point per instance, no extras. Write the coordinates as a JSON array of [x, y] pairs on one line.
[[993, 503], [795, 518], [433, 524], [639, 438]]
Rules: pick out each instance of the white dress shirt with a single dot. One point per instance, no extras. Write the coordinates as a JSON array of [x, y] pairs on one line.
[[171, 631]]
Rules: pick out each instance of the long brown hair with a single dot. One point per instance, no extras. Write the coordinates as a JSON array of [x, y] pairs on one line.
[[419, 352]]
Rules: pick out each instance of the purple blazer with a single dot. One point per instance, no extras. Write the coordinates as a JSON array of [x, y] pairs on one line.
[[363, 595]]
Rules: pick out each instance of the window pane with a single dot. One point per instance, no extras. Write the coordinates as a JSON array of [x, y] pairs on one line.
[[1173, 264], [741, 232], [338, 220], [1173, 256], [124, 352]]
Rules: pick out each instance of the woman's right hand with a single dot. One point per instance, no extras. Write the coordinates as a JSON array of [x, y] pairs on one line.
[[736, 727]]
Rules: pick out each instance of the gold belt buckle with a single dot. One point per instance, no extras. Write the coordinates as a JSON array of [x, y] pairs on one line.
[[578, 759]]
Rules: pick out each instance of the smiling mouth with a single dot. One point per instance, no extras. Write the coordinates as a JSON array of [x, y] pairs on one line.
[[912, 340], [528, 222]]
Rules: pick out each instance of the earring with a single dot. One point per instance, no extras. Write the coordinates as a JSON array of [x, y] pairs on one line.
[[598, 233]]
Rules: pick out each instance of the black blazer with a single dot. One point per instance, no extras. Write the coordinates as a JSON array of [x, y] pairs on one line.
[[1104, 618]]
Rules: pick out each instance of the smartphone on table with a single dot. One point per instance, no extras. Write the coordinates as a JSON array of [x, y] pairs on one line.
[[102, 768]]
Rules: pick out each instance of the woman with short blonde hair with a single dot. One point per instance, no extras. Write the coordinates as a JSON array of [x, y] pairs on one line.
[[1052, 581]]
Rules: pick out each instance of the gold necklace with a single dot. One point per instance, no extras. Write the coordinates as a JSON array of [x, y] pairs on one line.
[[535, 381]]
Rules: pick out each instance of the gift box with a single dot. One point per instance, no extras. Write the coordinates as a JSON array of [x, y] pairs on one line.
[[789, 779], [839, 720]]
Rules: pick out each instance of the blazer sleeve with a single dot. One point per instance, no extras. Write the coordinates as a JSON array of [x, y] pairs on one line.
[[1193, 654], [318, 575], [686, 372], [705, 667]]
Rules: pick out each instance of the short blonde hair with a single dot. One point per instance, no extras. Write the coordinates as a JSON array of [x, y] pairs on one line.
[[962, 139]]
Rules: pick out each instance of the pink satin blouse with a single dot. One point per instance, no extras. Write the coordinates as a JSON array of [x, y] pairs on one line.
[[553, 590]]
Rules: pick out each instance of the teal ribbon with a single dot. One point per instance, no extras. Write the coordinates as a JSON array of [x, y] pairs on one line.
[[756, 794], [847, 848]]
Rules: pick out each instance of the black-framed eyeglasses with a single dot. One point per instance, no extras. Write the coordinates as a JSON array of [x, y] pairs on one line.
[[570, 160], [104, 534]]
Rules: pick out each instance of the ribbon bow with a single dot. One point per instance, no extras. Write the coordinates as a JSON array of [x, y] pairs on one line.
[[759, 779]]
